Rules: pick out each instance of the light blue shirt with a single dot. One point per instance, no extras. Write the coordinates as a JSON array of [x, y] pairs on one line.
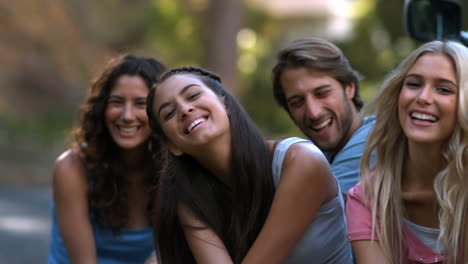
[[346, 163], [129, 247]]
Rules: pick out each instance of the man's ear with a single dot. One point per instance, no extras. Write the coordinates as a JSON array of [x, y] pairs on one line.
[[174, 150], [350, 90]]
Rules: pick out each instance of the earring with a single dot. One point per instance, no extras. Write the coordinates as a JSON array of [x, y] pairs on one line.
[[150, 145]]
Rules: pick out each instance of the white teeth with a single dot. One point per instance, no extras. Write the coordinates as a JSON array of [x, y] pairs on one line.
[[195, 123], [128, 129], [423, 116], [322, 125]]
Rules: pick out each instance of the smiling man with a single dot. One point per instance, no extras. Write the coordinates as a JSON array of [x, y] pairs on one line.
[[314, 83]]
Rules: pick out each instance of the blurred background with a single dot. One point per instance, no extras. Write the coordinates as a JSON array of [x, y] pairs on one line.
[[50, 50]]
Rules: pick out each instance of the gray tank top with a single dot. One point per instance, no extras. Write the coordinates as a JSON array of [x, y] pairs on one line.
[[325, 239]]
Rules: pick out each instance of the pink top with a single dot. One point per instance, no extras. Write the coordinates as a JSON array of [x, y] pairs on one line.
[[359, 220]]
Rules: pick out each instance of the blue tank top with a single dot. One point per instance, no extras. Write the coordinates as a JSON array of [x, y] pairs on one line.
[[325, 239], [129, 247]]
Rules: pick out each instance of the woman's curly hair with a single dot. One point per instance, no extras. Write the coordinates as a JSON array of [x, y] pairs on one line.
[[98, 151]]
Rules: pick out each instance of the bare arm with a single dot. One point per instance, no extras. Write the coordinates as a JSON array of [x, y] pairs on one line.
[[151, 260], [306, 183], [70, 195], [365, 245], [368, 252], [205, 245]]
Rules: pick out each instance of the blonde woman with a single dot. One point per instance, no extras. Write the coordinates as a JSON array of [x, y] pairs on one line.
[[412, 206]]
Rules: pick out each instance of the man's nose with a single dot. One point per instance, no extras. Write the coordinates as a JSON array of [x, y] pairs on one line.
[[313, 109]]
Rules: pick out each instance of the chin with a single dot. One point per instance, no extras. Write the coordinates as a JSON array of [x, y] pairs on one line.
[[130, 146], [427, 139], [325, 146]]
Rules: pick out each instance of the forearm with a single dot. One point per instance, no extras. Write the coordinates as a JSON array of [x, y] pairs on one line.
[[81, 248]]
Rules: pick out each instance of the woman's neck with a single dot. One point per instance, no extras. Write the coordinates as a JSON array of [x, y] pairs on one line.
[[132, 159], [216, 157], [418, 194], [422, 166]]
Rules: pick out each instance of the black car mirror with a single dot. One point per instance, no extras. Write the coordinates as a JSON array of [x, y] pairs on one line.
[[427, 20]]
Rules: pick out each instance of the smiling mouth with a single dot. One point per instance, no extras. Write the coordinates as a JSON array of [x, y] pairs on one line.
[[321, 125], [194, 124], [423, 117], [128, 129]]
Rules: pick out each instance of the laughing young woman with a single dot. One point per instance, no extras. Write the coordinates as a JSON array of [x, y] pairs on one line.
[[103, 184], [412, 206], [229, 196]]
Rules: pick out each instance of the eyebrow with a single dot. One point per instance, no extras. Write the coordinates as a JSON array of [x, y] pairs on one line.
[[438, 79], [122, 97], [314, 89], [181, 92], [119, 97]]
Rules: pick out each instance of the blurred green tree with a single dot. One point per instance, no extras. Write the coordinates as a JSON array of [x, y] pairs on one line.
[[52, 49]]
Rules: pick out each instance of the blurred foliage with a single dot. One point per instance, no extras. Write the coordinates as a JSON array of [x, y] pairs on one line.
[[255, 63], [175, 33], [376, 45], [51, 50]]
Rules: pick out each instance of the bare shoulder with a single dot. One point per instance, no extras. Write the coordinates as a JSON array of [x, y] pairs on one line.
[[68, 158], [69, 173], [306, 167], [307, 154], [70, 194]]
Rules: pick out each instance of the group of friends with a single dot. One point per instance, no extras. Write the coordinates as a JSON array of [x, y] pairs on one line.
[[167, 167]]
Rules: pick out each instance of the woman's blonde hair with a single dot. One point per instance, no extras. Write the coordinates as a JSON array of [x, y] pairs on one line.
[[383, 188]]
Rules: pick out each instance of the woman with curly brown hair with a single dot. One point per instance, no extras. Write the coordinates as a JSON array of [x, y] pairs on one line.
[[102, 185]]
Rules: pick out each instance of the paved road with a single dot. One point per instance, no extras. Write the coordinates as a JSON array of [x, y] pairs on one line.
[[24, 224]]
